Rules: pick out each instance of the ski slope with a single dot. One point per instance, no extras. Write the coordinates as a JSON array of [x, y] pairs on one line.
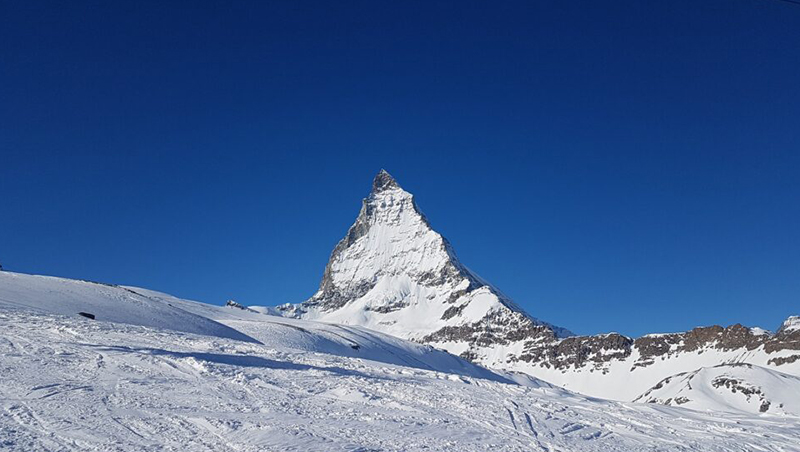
[[106, 302], [244, 381], [339, 340]]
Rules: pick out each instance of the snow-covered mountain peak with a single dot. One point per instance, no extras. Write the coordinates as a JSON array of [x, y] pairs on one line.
[[394, 273], [390, 240], [383, 181], [790, 324], [388, 205]]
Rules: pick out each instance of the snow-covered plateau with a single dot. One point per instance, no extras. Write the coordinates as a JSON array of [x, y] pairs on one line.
[[152, 372]]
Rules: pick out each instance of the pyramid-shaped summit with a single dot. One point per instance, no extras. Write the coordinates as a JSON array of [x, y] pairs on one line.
[[393, 273], [383, 181]]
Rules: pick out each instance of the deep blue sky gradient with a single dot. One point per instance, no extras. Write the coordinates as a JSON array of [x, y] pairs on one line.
[[613, 166]]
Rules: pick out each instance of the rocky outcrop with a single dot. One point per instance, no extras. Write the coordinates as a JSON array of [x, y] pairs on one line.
[[576, 351], [234, 304], [579, 351], [733, 337]]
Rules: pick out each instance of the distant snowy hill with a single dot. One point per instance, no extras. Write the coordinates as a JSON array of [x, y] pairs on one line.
[[393, 273], [106, 302], [155, 372], [629, 367], [729, 387]]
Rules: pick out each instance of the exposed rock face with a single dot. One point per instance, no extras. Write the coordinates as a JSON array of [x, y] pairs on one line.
[[730, 338], [576, 351], [393, 273]]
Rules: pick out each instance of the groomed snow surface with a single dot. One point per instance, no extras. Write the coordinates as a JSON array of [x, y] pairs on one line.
[[154, 372]]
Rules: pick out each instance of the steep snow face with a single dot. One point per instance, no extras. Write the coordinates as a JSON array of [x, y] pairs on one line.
[[729, 387], [393, 273]]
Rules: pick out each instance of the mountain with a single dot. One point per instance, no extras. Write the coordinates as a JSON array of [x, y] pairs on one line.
[[156, 372], [729, 387], [393, 273]]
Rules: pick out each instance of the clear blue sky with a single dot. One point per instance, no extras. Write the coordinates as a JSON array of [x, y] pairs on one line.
[[613, 166]]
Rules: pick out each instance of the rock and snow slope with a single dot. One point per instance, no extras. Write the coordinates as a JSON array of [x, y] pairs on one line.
[[393, 273], [626, 368], [70, 383], [729, 387]]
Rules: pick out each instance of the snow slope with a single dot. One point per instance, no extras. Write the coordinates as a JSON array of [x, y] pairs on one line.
[[107, 302], [70, 383], [339, 340], [729, 387], [132, 305]]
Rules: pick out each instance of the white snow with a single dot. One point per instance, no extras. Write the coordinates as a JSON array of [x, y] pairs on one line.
[[74, 384], [156, 372], [732, 388], [791, 324], [106, 302]]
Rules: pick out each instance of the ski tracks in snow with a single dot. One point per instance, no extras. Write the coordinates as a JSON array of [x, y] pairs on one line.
[[70, 384]]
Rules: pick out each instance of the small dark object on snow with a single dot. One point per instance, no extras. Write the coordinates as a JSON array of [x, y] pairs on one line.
[[355, 346], [87, 315], [234, 304]]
